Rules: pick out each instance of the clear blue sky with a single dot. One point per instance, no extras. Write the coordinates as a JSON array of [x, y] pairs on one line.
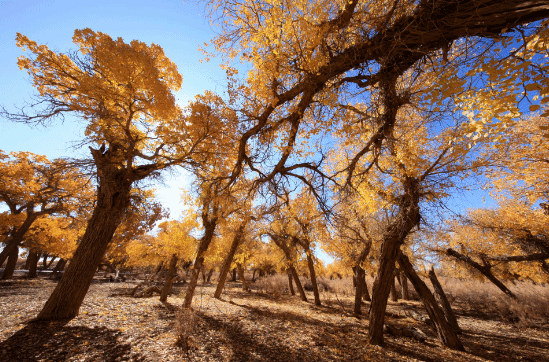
[[179, 27]]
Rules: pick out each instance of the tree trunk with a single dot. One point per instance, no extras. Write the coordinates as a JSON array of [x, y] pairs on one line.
[[312, 274], [113, 198], [45, 261], [395, 234], [16, 238], [58, 267], [203, 272], [169, 278], [483, 269], [228, 261], [359, 288], [27, 261], [233, 276], [242, 277], [33, 263], [290, 283], [404, 286], [394, 296], [366, 295], [253, 275], [441, 297], [10, 265], [298, 285], [197, 266], [444, 330], [209, 276]]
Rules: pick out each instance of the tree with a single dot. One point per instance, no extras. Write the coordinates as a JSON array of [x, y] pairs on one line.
[[31, 187], [124, 94]]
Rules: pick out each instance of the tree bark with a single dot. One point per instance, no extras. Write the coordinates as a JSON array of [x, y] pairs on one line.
[[209, 276], [404, 286], [197, 266], [445, 331], [113, 198], [396, 232], [169, 278], [443, 301], [298, 283], [10, 265], [290, 283], [228, 261], [483, 269], [312, 274], [359, 288], [33, 264], [233, 275], [394, 296], [366, 294]]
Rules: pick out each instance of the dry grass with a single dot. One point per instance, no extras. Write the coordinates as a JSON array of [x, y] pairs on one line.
[[530, 308]]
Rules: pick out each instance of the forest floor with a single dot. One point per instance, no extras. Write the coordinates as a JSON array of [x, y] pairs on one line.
[[241, 327]]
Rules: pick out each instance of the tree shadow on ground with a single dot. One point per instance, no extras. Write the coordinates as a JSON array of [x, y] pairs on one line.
[[500, 347], [55, 341], [247, 348]]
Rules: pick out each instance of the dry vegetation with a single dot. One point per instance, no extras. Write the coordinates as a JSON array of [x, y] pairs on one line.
[[266, 325]]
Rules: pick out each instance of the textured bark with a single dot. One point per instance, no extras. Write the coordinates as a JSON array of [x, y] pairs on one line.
[[169, 278], [228, 261], [445, 332], [312, 274], [396, 232], [10, 265], [33, 263], [404, 286], [443, 301], [199, 260], [290, 282], [485, 270], [113, 198], [394, 296]]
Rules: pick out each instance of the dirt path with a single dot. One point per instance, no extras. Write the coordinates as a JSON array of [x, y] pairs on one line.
[[242, 327]]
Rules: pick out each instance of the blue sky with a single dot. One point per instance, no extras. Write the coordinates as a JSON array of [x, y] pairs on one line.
[[179, 27]]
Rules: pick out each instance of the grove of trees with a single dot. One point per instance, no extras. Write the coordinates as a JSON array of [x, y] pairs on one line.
[[352, 128]]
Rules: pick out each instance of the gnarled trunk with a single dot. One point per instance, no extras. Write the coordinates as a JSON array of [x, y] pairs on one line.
[[444, 330], [113, 198], [394, 237]]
